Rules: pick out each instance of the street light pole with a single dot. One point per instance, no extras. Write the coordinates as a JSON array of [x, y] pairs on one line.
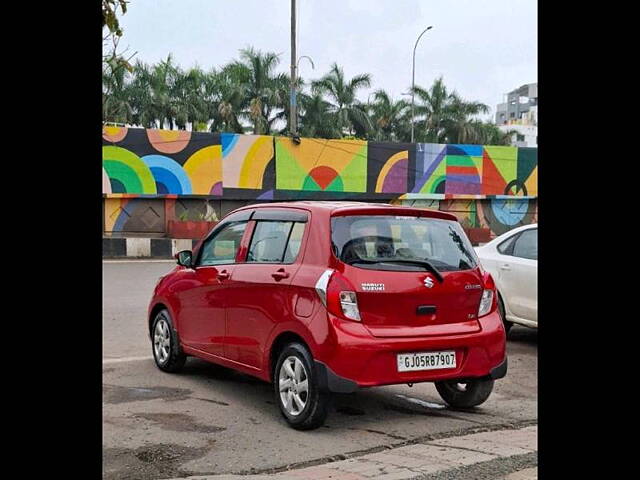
[[313, 67], [413, 79], [293, 114]]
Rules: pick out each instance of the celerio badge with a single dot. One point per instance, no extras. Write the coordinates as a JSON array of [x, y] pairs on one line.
[[428, 282]]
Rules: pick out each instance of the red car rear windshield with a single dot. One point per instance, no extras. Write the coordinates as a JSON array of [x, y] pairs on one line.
[[386, 242]]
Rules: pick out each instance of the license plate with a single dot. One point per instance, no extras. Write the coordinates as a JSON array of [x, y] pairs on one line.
[[409, 362]]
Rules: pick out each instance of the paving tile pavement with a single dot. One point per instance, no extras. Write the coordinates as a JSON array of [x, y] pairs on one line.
[[419, 459]]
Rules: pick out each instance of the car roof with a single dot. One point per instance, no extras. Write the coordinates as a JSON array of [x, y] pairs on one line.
[[346, 207]]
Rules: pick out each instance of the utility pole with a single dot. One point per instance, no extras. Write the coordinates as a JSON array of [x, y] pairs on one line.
[[293, 110], [413, 79]]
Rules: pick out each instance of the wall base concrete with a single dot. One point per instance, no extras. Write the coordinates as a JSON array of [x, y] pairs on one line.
[[161, 248]]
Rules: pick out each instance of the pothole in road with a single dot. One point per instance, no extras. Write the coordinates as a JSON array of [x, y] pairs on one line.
[[149, 461], [119, 394], [178, 422]]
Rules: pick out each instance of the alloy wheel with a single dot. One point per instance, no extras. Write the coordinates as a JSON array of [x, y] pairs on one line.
[[294, 385], [162, 340]]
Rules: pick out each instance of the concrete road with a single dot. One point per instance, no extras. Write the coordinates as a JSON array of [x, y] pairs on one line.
[[211, 420]]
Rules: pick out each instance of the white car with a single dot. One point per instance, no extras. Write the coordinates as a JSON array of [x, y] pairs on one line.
[[512, 261]]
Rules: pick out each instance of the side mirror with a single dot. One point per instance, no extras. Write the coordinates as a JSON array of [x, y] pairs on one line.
[[184, 258]]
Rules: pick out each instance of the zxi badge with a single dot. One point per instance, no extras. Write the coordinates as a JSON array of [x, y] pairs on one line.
[[428, 282]]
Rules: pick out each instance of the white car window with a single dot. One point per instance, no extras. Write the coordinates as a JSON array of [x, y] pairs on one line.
[[506, 247], [526, 245]]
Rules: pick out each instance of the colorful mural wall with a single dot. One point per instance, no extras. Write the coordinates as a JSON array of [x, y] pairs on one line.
[[484, 219], [153, 179], [160, 162]]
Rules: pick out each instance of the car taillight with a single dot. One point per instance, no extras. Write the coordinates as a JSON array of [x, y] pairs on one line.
[[485, 303], [488, 299], [349, 305], [338, 295]]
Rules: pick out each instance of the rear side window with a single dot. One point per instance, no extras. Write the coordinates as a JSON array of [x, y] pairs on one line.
[[295, 241], [384, 242], [275, 242], [506, 247], [526, 245], [223, 246]]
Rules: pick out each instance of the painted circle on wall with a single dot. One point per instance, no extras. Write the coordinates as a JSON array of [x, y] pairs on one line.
[[323, 178], [516, 188], [504, 214], [168, 141], [114, 134]]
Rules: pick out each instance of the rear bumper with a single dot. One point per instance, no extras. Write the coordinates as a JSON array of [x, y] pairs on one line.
[[351, 357], [500, 371], [329, 381]]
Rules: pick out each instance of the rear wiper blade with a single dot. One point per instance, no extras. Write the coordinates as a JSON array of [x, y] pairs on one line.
[[421, 263]]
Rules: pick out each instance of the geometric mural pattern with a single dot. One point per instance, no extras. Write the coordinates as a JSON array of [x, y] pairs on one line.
[[321, 165], [140, 161], [153, 177], [246, 160], [176, 162], [488, 217]]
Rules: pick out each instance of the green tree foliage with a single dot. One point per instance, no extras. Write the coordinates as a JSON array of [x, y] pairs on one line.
[[109, 15], [248, 95], [115, 99], [391, 119], [349, 113]]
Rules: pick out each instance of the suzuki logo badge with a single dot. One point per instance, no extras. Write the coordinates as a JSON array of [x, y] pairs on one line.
[[428, 282]]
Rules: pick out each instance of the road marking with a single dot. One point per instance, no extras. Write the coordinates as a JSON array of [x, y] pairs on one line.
[[138, 261], [106, 361]]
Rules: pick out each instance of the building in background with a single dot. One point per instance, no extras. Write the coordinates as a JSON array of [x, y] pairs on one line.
[[520, 113]]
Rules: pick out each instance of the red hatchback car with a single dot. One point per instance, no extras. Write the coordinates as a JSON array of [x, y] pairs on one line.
[[322, 297]]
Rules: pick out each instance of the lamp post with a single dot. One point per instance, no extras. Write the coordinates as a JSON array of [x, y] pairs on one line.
[[313, 67], [293, 127], [413, 78]]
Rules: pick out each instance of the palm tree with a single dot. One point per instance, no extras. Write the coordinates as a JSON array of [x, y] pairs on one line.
[[225, 94], [140, 94], [250, 89], [188, 97], [264, 90], [350, 114], [317, 119], [389, 117], [445, 114], [461, 126], [116, 105], [486, 133], [163, 86]]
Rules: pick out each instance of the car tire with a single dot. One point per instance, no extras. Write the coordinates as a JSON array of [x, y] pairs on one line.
[[465, 393], [165, 344], [503, 316], [296, 389]]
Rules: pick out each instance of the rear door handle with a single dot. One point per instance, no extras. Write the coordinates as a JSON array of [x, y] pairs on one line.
[[505, 266], [280, 274], [223, 275]]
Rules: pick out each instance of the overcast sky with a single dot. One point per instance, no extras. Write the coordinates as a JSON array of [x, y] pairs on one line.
[[482, 48]]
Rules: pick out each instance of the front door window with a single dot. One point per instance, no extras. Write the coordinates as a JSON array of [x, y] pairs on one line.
[[222, 248]]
